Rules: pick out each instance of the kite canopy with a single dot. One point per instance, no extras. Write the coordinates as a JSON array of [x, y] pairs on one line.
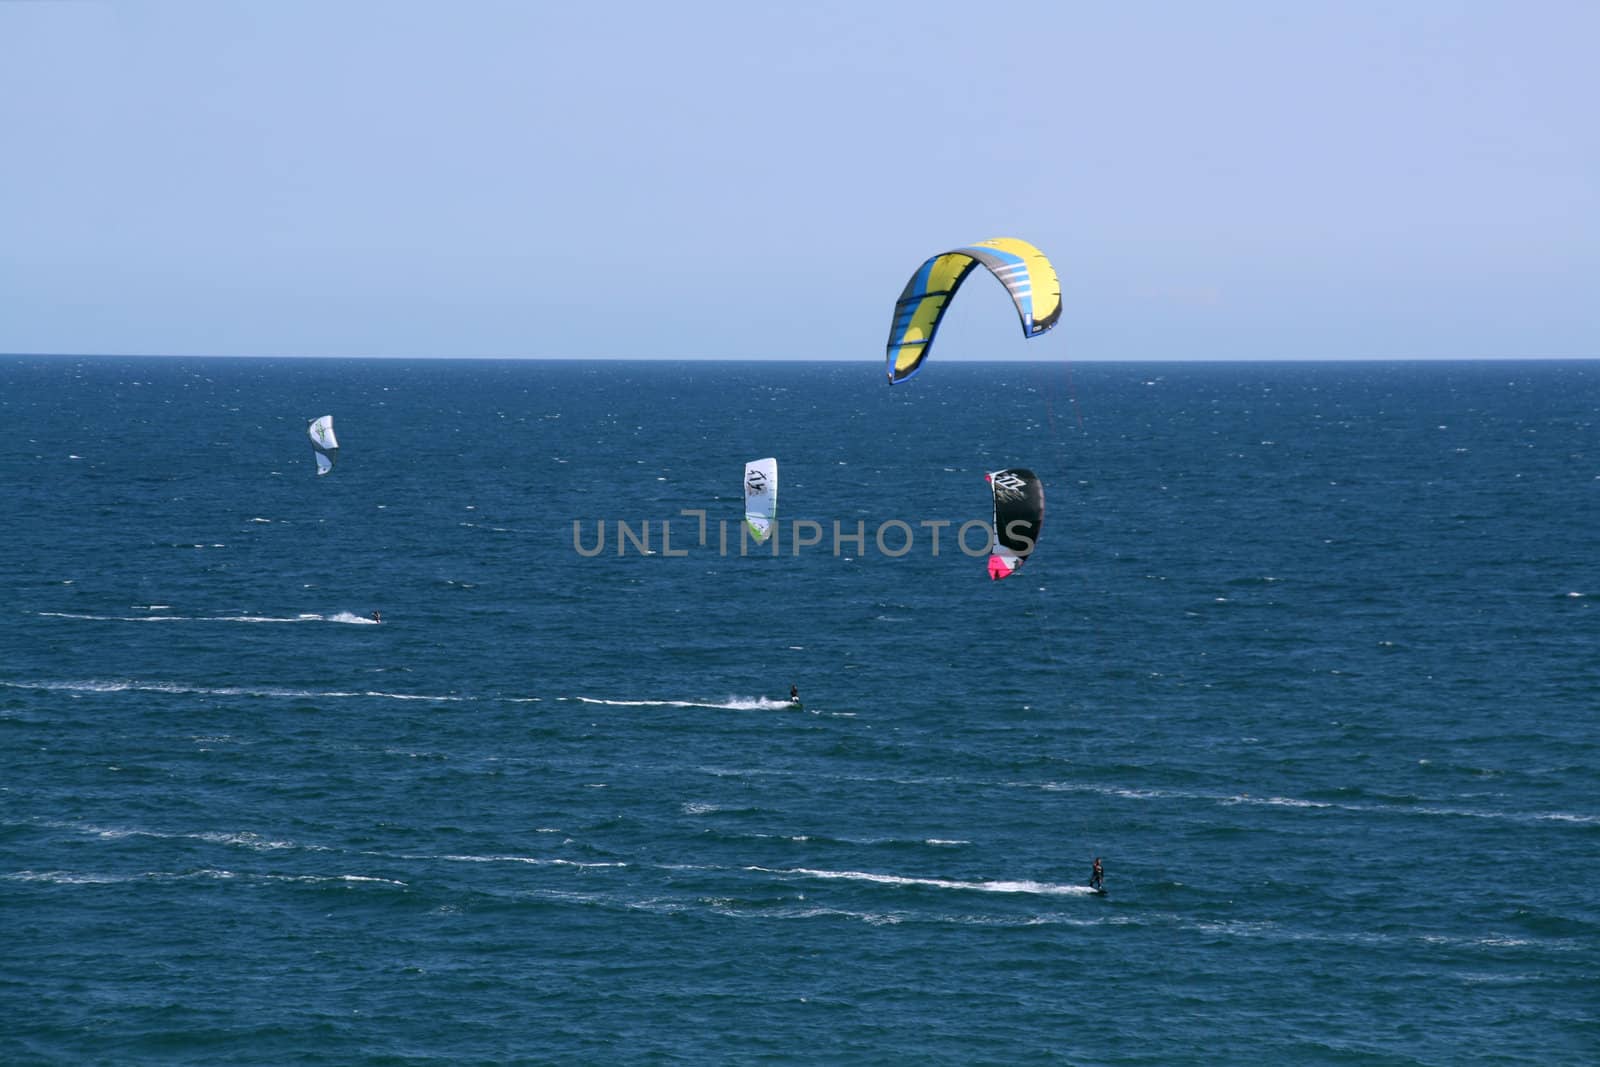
[[760, 496], [1018, 518], [1021, 268], [324, 444]]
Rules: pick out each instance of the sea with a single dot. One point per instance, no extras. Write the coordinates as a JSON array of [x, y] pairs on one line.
[[1307, 653]]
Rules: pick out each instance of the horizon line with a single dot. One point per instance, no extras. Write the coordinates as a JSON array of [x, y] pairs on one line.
[[811, 359]]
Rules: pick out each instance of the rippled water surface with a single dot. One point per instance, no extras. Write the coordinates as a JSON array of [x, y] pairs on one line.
[[1307, 653]]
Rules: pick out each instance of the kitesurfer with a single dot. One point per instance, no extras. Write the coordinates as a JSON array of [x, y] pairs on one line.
[[376, 617], [1097, 878], [794, 694]]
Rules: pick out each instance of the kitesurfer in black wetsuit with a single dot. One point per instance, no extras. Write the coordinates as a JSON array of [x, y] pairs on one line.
[[794, 694], [1097, 878], [376, 617]]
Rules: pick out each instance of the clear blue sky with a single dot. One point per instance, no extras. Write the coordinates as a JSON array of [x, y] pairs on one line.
[[1214, 180]]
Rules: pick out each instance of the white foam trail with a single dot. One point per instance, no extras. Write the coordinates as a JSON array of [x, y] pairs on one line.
[[93, 686], [533, 861], [244, 839], [75, 878], [1294, 802], [346, 617], [1003, 886], [241, 838], [62, 877], [1281, 802], [111, 618], [731, 704]]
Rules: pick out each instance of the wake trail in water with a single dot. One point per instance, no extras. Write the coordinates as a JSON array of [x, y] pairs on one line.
[[135, 686], [1229, 799], [279, 692], [987, 886], [345, 617], [732, 703], [57, 877]]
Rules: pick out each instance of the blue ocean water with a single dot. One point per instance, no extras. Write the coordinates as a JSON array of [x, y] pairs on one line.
[[1307, 653]]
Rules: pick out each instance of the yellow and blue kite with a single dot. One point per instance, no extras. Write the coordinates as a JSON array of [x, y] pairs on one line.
[[1021, 268]]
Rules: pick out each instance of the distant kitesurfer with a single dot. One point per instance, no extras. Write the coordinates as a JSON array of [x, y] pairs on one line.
[[794, 694], [1097, 878], [376, 617]]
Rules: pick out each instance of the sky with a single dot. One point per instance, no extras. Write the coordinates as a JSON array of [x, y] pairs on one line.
[[1218, 180]]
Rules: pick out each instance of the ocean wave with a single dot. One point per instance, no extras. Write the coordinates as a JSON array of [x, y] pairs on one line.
[[894, 918], [178, 688], [255, 842], [240, 838], [63, 877], [347, 618], [996, 886], [1376, 808], [532, 861], [732, 703], [57, 877], [1562, 816]]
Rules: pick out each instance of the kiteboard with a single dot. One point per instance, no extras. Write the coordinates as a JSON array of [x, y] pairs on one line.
[[796, 705]]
